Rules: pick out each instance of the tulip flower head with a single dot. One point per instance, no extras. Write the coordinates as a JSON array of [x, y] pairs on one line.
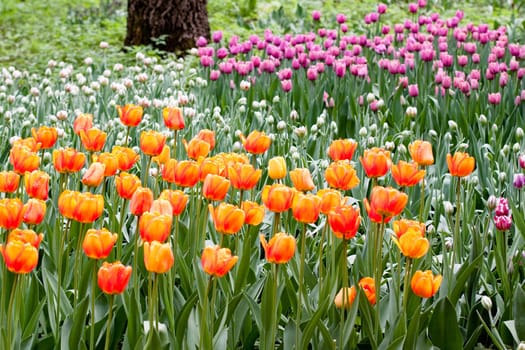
[[376, 162], [424, 284], [227, 218], [368, 286], [306, 207], [97, 244], [113, 278], [37, 184], [173, 118], [411, 244], [19, 257], [9, 181], [158, 257], [46, 136], [407, 174], [253, 213], [280, 249], [11, 213], [421, 152], [215, 187], [344, 221], [302, 179], [385, 203], [277, 197], [341, 175], [460, 164], [342, 149], [350, 294], [130, 115], [257, 142], [217, 261], [277, 168]]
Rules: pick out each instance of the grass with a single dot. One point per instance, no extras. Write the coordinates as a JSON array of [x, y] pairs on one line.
[[34, 32]]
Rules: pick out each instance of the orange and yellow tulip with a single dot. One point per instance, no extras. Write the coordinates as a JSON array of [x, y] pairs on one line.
[[215, 187], [411, 244], [154, 226], [227, 218], [141, 201], [341, 175], [26, 236], [113, 278], [23, 159], [130, 114], [277, 168], [244, 176], [425, 284], [152, 142], [167, 170], [94, 175], [330, 199], [186, 173], [344, 221], [19, 257], [207, 136], [253, 213], [158, 257], [376, 162], [126, 156], [461, 164], [11, 213], [68, 160], [161, 206], [257, 142], [210, 166], [400, 227], [367, 284], [9, 181], [110, 162], [164, 156], [407, 174], [37, 184], [350, 293], [45, 135], [126, 184], [67, 201], [421, 152], [302, 179], [177, 199], [173, 118], [385, 203], [342, 149], [217, 261], [196, 148], [97, 244], [280, 249], [93, 139], [277, 197], [82, 122], [29, 143], [34, 211], [89, 207], [306, 207]]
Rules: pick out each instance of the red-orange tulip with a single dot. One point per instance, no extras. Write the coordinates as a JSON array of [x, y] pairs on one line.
[[113, 278], [330, 199], [306, 207], [210, 166], [110, 162], [68, 160], [400, 227], [257, 142], [350, 294], [280, 249], [253, 213], [126, 157], [277, 197], [215, 187], [376, 162], [277, 168], [421, 152], [29, 143], [173, 118], [177, 199], [130, 114], [9, 181], [368, 286], [158, 257], [37, 184], [341, 175], [407, 174], [186, 173], [217, 261], [94, 175], [93, 139], [425, 284], [82, 122], [154, 226], [385, 203], [126, 184], [196, 148], [23, 159], [19, 257], [26, 236], [11, 213], [67, 202], [411, 244], [168, 170], [342, 149], [97, 244], [461, 164], [141, 201], [34, 211], [227, 218], [89, 207], [208, 136], [152, 142], [46, 136], [344, 221], [244, 176], [302, 179]]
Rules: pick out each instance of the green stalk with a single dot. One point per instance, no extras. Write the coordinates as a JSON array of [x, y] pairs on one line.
[[273, 308], [378, 271], [59, 271], [422, 201], [276, 222], [135, 259], [456, 251], [127, 134], [108, 328], [10, 311], [78, 257], [408, 272], [212, 305], [344, 276], [321, 246], [119, 232], [204, 316], [93, 291], [145, 175], [300, 282]]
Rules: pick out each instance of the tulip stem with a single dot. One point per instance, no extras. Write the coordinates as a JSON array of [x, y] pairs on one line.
[[212, 305], [78, 257], [120, 224], [274, 309], [422, 200], [300, 295], [136, 259], [344, 277], [92, 344], [276, 221], [378, 273], [321, 246], [10, 311], [127, 135], [456, 254], [174, 144], [408, 272], [145, 175], [59, 271], [108, 328]]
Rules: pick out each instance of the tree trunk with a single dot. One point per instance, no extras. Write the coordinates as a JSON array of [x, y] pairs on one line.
[[170, 25]]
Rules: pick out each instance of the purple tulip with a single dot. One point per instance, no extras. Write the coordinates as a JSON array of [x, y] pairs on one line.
[[521, 161], [316, 15], [519, 180]]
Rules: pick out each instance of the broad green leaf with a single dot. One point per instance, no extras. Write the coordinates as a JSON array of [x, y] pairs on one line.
[[518, 306], [443, 328]]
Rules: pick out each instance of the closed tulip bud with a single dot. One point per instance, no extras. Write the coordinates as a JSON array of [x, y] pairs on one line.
[[82, 122], [207, 136], [97, 244], [277, 197], [113, 278], [130, 115], [196, 148], [26, 236], [277, 168], [421, 152], [94, 175], [126, 156], [19, 257], [185, 173], [306, 208], [93, 139], [280, 249], [376, 162], [215, 187], [34, 211], [11, 213], [68, 160], [46, 136], [425, 284], [486, 302], [385, 203], [177, 199], [461, 164], [411, 244], [173, 118], [345, 293], [227, 218], [23, 159], [367, 284], [243, 176], [342, 149], [407, 174], [253, 213], [141, 201], [401, 227], [521, 161], [341, 175], [37, 184], [302, 179], [110, 162], [154, 226], [257, 142], [344, 221], [330, 199], [152, 142], [217, 261], [9, 181]]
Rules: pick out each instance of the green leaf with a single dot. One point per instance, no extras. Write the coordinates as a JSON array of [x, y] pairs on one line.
[[413, 330], [443, 328], [518, 306], [461, 278], [79, 320], [132, 308]]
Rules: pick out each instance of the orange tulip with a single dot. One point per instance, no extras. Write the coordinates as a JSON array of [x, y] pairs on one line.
[[82, 122], [29, 142], [385, 203], [23, 159], [11, 213], [253, 213], [425, 284], [168, 170], [277, 168], [210, 166], [130, 114], [152, 142], [126, 157], [302, 179], [402, 226], [280, 249], [330, 199], [67, 202], [161, 206], [19, 257], [461, 164], [163, 157], [9, 181], [244, 176], [173, 118], [94, 175], [34, 211], [154, 226], [339, 301], [342, 149], [26, 236], [368, 286], [344, 221], [257, 142], [158, 257], [46, 136], [186, 173], [277, 197], [89, 207], [110, 162], [37, 184], [217, 261], [208, 136], [376, 162], [141, 201], [177, 199], [411, 244], [93, 139], [113, 278], [215, 187], [196, 148], [341, 175], [421, 152], [97, 244], [306, 207], [407, 174], [126, 184], [227, 218], [68, 160]]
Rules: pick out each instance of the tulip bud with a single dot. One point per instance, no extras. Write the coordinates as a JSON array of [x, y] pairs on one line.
[[486, 302], [519, 133], [492, 201]]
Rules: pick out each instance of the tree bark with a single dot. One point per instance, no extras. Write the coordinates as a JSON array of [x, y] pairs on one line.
[[170, 25]]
